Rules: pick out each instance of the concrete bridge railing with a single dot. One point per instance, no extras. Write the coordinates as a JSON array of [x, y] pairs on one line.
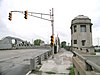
[[84, 66], [36, 61]]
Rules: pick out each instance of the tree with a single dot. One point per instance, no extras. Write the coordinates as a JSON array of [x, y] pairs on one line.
[[38, 42], [63, 44]]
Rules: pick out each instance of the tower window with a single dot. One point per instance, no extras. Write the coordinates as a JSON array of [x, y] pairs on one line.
[[83, 28], [83, 42], [75, 28], [75, 41]]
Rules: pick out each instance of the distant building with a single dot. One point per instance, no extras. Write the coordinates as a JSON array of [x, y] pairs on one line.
[[14, 43], [81, 32]]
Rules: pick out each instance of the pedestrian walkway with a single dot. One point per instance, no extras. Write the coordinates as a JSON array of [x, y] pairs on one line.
[[59, 65]]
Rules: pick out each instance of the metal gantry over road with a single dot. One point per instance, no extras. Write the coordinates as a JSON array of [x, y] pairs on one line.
[[26, 13]]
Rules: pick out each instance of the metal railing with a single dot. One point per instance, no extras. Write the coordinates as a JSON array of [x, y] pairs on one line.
[[90, 66]]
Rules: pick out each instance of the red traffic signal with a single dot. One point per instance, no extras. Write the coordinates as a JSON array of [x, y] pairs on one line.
[[26, 14], [10, 16]]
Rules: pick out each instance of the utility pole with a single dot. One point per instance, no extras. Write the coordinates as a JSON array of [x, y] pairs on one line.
[[52, 24]]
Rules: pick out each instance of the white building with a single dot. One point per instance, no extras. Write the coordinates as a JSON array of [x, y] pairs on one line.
[[81, 32]]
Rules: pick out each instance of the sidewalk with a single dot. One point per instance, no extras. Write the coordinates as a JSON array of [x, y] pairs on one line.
[[59, 65]]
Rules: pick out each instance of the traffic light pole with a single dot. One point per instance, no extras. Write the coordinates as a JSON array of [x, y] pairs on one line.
[[51, 19], [52, 24]]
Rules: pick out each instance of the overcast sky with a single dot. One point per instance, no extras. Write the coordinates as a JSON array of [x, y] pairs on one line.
[[32, 28]]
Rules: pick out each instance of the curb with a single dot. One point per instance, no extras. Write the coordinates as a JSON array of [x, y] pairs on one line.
[[28, 73]]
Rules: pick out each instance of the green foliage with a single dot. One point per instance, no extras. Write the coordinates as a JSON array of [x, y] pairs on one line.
[[37, 42], [63, 44], [72, 71]]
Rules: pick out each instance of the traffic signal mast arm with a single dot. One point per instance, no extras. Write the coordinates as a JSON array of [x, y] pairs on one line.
[[26, 13], [39, 17], [41, 14]]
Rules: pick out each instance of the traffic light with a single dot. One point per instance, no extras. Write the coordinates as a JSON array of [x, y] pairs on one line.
[[10, 16], [26, 14], [52, 40]]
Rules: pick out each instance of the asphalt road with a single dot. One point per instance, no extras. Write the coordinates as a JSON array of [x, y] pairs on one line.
[[17, 62]]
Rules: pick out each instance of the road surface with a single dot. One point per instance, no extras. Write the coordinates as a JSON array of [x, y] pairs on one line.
[[17, 62]]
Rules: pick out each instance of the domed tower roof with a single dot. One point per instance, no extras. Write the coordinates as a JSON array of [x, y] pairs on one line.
[[81, 19]]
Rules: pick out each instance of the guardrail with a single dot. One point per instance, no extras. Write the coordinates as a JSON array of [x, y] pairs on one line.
[[90, 66], [34, 62]]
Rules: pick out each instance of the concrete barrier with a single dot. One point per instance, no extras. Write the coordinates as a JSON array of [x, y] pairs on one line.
[[34, 62], [84, 66]]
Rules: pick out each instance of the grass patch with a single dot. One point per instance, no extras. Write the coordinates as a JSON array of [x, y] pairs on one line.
[[72, 71], [50, 72]]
